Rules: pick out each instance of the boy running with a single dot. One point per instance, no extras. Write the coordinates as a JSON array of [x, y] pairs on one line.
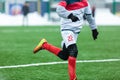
[[71, 13]]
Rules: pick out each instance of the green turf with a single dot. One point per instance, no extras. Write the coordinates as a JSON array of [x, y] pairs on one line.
[[17, 43]]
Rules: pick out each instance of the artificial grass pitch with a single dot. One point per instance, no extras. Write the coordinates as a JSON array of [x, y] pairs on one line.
[[17, 43]]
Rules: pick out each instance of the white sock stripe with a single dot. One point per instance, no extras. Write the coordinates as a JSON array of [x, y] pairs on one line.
[[53, 63]]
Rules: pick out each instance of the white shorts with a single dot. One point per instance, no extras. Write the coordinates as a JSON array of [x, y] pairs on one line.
[[69, 37]]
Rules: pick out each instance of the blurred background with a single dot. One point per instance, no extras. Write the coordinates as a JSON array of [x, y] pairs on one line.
[[42, 12]]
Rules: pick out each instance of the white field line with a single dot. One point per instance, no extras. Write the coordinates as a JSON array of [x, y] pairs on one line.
[[53, 63], [28, 30]]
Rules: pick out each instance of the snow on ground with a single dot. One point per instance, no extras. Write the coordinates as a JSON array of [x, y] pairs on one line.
[[103, 17], [33, 19]]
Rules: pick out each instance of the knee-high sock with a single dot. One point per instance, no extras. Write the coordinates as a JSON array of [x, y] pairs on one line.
[[55, 50], [72, 67]]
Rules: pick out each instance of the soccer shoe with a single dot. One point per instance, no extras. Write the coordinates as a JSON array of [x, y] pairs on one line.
[[39, 46], [75, 79]]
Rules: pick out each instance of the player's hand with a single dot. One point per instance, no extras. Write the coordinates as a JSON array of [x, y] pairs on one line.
[[73, 18], [95, 34]]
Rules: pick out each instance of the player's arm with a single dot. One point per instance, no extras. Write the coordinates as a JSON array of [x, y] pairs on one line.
[[62, 12], [91, 21]]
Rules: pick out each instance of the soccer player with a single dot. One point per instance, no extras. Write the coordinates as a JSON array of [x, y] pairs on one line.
[[25, 11], [71, 13]]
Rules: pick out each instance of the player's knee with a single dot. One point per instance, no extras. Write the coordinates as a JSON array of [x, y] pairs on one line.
[[63, 55], [73, 51]]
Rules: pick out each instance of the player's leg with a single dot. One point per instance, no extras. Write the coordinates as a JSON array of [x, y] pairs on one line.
[[72, 61], [43, 44], [70, 39], [23, 20], [64, 52]]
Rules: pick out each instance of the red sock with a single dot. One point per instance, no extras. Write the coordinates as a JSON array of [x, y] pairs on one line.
[[72, 67], [51, 48]]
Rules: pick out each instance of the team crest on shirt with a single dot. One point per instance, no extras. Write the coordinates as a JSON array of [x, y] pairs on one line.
[[70, 38]]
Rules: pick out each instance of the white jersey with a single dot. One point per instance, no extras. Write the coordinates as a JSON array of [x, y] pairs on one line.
[[69, 29], [80, 11]]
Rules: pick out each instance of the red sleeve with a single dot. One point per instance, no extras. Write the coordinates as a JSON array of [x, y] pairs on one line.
[[62, 3]]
